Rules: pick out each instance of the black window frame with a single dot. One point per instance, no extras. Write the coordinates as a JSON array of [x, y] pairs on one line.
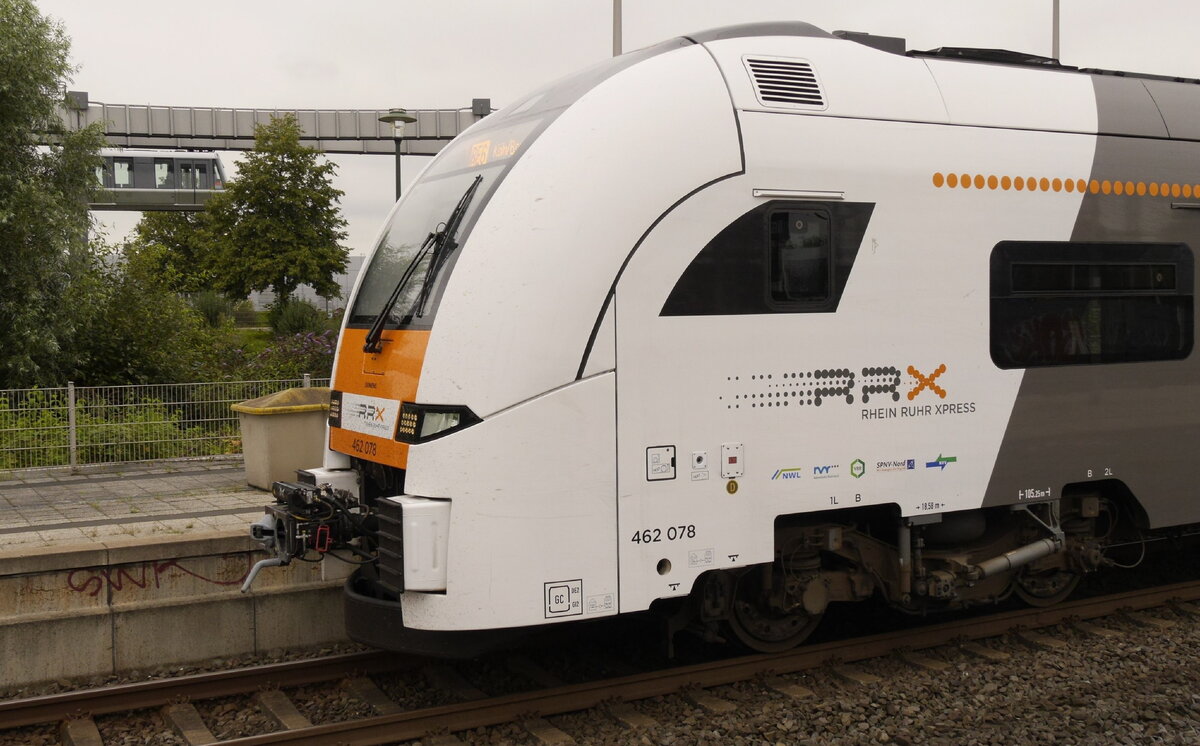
[[1075, 317]]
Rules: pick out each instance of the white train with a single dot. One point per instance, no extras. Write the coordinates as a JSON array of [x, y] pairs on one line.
[[762, 319]]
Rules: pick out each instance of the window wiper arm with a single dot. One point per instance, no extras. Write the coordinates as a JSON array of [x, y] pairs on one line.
[[435, 242], [374, 335], [445, 244]]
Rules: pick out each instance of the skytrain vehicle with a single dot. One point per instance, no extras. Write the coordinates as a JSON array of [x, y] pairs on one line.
[[157, 179], [759, 320]]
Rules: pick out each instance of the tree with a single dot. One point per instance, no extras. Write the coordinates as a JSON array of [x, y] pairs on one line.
[[43, 199], [175, 243], [139, 330], [278, 225]]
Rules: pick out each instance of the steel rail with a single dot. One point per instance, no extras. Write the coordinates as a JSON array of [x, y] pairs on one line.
[[489, 712], [124, 697]]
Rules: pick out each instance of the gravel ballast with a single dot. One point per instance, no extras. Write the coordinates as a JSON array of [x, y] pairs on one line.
[[1141, 687]]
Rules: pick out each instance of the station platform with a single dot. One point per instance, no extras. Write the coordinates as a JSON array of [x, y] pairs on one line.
[[115, 571], [48, 509]]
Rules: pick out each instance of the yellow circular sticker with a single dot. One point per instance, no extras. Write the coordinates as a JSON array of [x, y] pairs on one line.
[[731, 487]]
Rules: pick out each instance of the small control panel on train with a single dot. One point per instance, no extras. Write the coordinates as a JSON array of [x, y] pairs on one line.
[[660, 463]]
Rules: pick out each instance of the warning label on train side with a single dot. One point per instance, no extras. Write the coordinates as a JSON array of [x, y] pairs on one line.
[[605, 603], [564, 598]]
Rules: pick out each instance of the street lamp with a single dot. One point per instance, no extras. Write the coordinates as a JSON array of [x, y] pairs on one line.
[[398, 118]]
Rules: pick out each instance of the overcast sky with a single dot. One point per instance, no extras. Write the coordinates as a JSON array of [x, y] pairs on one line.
[[443, 53]]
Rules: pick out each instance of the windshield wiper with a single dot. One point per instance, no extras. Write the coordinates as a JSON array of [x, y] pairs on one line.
[[447, 244], [434, 242]]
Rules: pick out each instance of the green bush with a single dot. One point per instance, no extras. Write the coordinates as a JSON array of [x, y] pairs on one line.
[[137, 329], [213, 307], [245, 315], [296, 317], [293, 356]]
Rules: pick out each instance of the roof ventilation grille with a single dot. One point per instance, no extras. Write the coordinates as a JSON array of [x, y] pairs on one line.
[[786, 82]]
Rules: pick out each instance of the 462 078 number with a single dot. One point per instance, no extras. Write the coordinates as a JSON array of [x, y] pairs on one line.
[[670, 533]]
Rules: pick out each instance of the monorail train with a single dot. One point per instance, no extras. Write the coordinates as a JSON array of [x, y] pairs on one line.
[[157, 179], [762, 319]]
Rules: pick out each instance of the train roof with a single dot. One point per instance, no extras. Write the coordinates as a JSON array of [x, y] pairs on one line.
[[796, 67], [151, 153], [898, 45]]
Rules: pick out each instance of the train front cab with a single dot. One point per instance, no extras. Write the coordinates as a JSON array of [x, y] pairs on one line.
[[519, 332]]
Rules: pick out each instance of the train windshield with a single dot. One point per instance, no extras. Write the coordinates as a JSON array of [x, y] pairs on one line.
[[405, 248], [489, 150]]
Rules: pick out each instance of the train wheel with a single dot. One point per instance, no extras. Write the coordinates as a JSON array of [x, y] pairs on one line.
[[1045, 588], [759, 627]]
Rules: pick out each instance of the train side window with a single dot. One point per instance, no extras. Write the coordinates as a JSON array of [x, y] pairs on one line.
[[164, 173], [800, 256], [101, 171], [122, 172], [187, 175], [1057, 303], [202, 181]]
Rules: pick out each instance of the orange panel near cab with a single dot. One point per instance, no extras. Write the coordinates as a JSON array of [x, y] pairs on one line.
[[387, 378]]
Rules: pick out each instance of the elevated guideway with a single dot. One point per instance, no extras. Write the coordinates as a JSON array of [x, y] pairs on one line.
[[356, 131]]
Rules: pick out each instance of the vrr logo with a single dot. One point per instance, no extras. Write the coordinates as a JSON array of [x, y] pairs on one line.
[[857, 468], [927, 382]]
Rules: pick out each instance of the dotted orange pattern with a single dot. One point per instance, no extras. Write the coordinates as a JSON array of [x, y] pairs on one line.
[[1044, 184]]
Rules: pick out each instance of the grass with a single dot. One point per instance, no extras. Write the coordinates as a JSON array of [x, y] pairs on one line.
[[253, 341]]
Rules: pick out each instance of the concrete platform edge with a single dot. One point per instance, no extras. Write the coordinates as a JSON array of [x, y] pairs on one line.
[[113, 606]]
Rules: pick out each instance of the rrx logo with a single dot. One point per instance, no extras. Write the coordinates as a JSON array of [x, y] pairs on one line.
[[369, 412], [885, 380]]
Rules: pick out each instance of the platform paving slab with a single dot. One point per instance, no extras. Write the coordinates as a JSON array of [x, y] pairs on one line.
[[57, 508]]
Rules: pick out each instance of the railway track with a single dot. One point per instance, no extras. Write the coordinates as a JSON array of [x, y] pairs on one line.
[[391, 724]]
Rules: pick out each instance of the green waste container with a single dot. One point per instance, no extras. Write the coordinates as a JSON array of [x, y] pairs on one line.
[[281, 433]]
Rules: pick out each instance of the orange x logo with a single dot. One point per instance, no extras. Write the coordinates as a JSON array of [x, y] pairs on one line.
[[926, 382]]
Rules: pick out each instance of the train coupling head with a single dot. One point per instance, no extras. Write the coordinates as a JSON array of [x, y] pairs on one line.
[[311, 521]]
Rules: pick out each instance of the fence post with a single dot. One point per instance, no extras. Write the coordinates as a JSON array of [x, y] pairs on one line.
[[307, 380], [72, 441]]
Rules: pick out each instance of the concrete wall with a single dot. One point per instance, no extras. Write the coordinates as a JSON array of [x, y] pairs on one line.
[[140, 603]]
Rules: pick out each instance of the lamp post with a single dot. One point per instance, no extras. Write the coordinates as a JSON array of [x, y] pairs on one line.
[[398, 118]]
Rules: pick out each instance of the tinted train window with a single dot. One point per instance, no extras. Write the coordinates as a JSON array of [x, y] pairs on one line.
[[800, 252], [1085, 303], [123, 172], [780, 257], [164, 176], [193, 175]]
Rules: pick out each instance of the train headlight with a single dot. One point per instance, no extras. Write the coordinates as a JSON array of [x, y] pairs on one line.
[[423, 422]]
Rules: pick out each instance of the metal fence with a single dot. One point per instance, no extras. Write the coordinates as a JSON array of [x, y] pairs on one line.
[[84, 425]]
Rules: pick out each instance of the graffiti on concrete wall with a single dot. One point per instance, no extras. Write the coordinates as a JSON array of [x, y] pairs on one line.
[[149, 574]]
